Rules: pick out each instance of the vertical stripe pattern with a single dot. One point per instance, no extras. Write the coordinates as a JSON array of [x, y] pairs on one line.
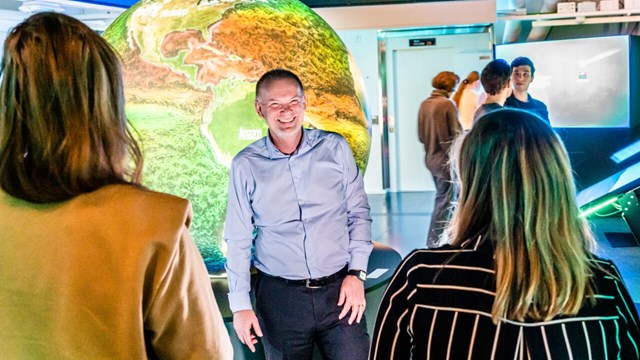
[[450, 292]]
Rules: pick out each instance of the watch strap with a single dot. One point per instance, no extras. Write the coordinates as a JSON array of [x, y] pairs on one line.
[[360, 274]]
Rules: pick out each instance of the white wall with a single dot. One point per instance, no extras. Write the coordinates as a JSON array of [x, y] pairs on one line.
[[8, 19], [3, 36], [363, 45]]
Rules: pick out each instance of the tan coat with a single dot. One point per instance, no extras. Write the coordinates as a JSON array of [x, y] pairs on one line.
[[113, 274]]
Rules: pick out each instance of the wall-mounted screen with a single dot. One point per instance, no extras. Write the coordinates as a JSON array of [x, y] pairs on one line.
[[583, 82]]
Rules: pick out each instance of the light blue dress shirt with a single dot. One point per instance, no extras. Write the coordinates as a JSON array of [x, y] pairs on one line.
[[309, 212]]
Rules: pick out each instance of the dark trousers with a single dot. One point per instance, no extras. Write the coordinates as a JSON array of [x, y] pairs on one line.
[[294, 317], [441, 210]]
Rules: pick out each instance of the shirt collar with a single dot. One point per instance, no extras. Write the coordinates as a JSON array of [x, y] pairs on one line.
[[308, 141], [479, 243], [440, 92], [518, 100]]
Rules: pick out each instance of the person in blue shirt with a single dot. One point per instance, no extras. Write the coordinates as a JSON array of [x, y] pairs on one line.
[[522, 74], [297, 198]]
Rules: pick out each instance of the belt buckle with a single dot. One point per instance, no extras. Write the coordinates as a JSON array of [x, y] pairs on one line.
[[308, 285]]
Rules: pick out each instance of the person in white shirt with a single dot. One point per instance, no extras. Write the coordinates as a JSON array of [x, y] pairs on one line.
[[468, 99]]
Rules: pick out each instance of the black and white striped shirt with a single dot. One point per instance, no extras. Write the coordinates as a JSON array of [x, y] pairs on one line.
[[448, 316]]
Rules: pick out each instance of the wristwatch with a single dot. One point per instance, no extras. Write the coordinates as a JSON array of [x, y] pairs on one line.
[[360, 274]]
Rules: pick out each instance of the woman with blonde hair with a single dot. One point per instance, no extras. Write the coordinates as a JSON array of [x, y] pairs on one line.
[[519, 279], [467, 99], [93, 266]]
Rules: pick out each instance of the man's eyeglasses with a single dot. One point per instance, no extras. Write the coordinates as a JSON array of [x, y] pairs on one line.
[[294, 104]]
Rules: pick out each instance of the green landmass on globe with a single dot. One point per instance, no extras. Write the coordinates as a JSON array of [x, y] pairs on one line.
[[190, 69]]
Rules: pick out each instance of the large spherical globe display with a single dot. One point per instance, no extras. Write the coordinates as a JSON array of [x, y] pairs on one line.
[[190, 69]]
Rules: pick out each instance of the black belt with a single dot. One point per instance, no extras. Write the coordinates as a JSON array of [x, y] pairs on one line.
[[313, 283]]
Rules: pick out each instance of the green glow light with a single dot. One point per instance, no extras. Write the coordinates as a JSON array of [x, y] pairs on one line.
[[595, 208]]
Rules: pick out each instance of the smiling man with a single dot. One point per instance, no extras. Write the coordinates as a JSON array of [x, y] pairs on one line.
[[522, 73], [297, 198]]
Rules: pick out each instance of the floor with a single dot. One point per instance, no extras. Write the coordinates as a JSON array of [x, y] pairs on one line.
[[400, 220]]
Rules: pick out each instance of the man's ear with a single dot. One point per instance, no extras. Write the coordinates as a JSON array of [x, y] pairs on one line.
[[258, 109], [506, 90]]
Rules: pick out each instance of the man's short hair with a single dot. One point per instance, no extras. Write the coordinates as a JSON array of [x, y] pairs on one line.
[[523, 60], [276, 74], [495, 76]]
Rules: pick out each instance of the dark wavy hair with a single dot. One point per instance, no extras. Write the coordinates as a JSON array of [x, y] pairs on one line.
[[495, 76], [63, 128], [523, 60]]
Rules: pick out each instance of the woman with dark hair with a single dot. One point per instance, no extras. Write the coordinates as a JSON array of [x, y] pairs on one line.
[[519, 279], [93, 264]]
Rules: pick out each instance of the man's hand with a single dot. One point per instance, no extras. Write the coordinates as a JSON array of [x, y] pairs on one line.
[[243, 322], [352, 296]]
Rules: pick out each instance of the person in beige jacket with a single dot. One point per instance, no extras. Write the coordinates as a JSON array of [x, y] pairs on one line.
[[93, 266]]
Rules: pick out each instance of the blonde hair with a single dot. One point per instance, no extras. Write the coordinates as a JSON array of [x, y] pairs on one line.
[[517, 191], [473, 76], [63, 129]]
